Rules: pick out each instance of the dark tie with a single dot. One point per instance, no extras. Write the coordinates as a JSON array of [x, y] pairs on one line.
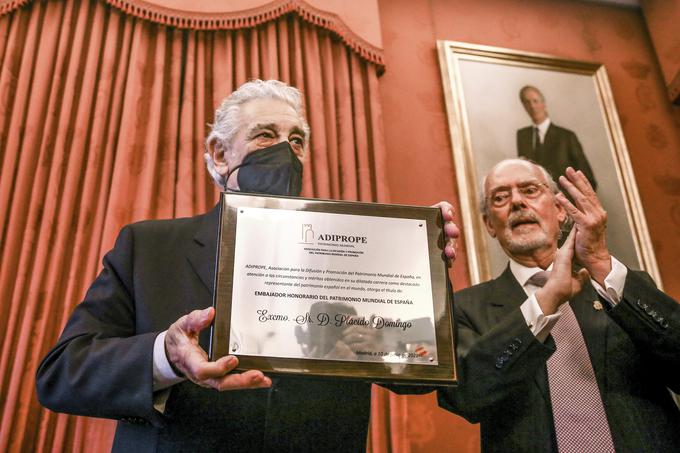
[[535, 139], [580, 420]]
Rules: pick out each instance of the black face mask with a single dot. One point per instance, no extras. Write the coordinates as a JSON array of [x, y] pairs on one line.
[[274, 170]]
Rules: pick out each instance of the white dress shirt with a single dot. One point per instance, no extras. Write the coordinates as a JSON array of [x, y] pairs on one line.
[[542, 129]]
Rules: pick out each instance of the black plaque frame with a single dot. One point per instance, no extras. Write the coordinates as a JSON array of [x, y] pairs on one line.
[[444, 373]]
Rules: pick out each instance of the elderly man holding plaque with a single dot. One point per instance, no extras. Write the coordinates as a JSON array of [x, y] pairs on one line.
[[557, 359], [135, 347]]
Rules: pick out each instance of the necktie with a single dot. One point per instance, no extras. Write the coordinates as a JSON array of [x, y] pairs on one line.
[[580, 420], [535, 139]]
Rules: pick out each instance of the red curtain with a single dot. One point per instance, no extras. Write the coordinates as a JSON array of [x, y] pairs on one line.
[[102, 122]]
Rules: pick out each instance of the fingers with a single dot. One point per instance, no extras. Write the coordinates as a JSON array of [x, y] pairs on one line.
[[181, 343], [451, 230], [588, 214], [187, 357], [580, 190], [580, 181], [450, 250], [578, 196], [452, 234], [200, 370], [197, 320], [565, 254], [564, 258], [190, 360], [216, 374], [447, 210], [572, 210], [560, 286], [247, 380]]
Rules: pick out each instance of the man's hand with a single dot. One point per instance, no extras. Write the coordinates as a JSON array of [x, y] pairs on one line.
[[451, 231], [187, 357], [590, 222], [562, 284]]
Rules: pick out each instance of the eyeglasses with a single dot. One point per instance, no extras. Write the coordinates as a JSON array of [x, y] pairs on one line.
[[529, 191]]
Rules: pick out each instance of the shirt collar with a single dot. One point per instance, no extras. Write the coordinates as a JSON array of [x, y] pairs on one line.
[[523, 273], [543, 127]]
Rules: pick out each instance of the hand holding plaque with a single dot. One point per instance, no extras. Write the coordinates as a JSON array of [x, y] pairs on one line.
[[188, 359]]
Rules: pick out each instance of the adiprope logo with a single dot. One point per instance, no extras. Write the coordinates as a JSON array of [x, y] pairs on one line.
[[309, 236], [307, 233]]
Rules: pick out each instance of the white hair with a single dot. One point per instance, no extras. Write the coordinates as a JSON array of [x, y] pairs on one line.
[[227, 116]]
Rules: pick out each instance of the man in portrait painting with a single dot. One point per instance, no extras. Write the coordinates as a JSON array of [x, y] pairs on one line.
[[553, 147]]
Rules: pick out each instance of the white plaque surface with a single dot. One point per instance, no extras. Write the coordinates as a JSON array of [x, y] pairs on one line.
[[332, 286]]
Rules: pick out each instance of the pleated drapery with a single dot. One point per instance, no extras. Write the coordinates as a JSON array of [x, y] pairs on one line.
[[102, 122]]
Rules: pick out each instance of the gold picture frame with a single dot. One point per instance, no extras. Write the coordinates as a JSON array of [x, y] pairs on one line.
[[481, 86]]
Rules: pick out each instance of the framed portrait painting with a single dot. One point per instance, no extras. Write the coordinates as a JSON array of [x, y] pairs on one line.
[[498, 101]]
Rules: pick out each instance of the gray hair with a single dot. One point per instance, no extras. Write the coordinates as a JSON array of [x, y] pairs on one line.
[[227, 115], [483, 199]]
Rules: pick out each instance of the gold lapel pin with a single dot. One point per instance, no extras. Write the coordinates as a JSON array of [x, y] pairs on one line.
[[597, 305]]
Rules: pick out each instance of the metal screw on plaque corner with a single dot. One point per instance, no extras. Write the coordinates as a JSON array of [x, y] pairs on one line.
[[431, 359], [420, 224], [234, 347]]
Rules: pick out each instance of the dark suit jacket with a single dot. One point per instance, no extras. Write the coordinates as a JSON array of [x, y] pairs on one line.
[[102, 364], [634, 348], [560, 149]]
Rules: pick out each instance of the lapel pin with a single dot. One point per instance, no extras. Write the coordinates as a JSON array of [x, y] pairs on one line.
[[597, 305]]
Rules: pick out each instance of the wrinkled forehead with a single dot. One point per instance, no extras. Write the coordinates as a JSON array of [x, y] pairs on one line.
[[270, 111], [511, 174]]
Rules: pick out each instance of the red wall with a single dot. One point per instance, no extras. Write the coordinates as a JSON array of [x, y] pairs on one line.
[[663, 21], [421, 167]]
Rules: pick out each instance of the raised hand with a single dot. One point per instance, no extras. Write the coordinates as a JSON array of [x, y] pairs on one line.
[[590, 222], [189, 359]]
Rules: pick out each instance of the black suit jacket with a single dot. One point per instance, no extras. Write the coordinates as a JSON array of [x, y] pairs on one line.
[[102, 363], [560, 149], [634, 348]]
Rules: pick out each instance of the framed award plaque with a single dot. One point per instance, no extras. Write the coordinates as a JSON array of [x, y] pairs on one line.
[[336, 289]]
